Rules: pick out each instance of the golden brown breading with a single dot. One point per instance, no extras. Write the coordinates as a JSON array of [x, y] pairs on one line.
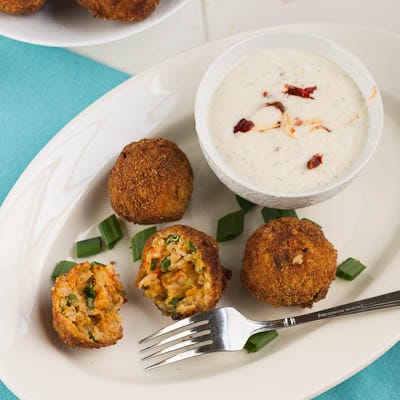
[[151, 182], [86, 302], [288, 262], [21, 6], [120, 10], [181, 271]]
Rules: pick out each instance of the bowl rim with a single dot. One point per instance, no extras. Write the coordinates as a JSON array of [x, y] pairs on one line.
[[208, 148]]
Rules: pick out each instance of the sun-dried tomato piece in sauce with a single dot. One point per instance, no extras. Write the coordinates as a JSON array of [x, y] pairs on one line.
[[297, 121], [265, 94], [315, 161], [244, 125], [301, 92], [277, 104]]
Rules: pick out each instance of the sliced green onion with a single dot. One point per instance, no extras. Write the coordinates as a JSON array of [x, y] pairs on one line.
[[230, 226], [88, 247], [271, 213], [175, 300], [96, 263], [89, 290], [139, 240], [192, 248], [350, 269], [153, 264], [172, 239], [71, 299], [110, 230], [257, 341], [62, 268], [244, 204], [90, 302], [165, 264], [91, 337], [90, 294], [313, 222], [289, 213]]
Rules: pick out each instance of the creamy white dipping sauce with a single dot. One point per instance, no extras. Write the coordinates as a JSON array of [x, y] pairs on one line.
[[275, 154]]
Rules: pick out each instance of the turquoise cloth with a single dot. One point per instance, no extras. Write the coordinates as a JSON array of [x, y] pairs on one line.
[[379, 381], [41, 89]]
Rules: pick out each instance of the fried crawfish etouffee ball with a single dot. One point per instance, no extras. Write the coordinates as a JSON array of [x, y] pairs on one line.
[[86, 302], [181, 271], [151, 182], [120, 10], [288, 262], [21, 6]]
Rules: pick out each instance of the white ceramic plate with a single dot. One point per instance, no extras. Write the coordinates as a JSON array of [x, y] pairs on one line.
[[63, 23], [62, 195]]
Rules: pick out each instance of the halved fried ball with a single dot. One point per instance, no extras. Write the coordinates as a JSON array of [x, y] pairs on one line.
[[151, 182], [120, 10], [21, 6], [181, 271], [288, 262], [86, 302]]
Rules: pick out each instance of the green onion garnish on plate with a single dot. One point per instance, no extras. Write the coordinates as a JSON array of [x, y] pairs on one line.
[[257, 341], [62, 268], [289, 213], [230, 226], [271, 213], [350, 269], [88, 247], [139, 240], [110, 230], [244, 204]]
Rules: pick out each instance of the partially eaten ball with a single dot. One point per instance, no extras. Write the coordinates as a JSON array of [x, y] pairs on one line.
[[86, 302], [181, 271]]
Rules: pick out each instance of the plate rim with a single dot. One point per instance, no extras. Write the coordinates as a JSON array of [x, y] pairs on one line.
[[134, 29]]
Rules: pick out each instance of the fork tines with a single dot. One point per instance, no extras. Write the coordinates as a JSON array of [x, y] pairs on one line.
[[187, 338], [192, 352]]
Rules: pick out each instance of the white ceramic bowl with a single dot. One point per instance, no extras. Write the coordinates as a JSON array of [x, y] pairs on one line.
[[233, 56]]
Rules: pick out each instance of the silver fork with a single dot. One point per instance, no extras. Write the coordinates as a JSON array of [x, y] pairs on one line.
[[226, 329]]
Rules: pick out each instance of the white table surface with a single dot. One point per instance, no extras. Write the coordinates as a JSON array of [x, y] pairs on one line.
[[203, 20]]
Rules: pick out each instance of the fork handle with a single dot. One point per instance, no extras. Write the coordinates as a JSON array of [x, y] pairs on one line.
[[373, 303]]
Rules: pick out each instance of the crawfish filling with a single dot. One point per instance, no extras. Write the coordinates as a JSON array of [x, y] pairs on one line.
[[177, 279]]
